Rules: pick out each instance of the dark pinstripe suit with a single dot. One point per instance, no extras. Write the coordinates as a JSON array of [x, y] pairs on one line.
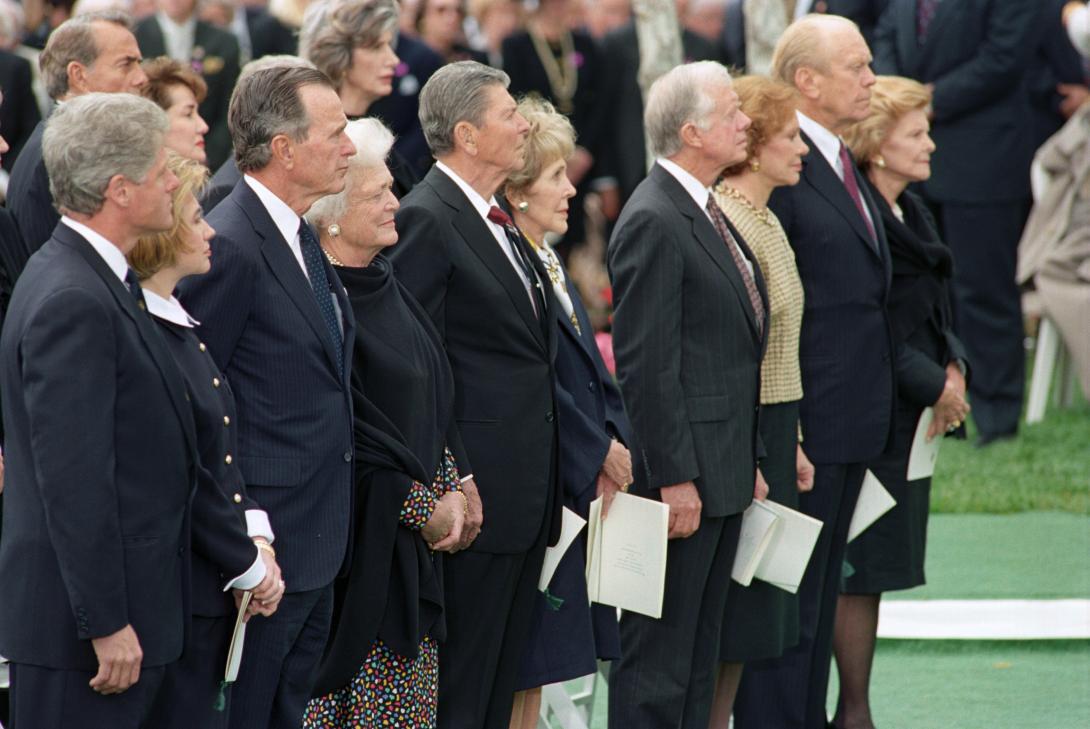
[[262, 324], [688, 360], [846, 356]]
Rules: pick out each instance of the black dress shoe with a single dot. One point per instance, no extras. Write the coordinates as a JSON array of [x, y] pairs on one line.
[[986, 439]]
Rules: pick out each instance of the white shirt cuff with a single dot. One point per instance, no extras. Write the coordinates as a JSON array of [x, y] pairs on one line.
[[251, 578], [463, 479], [257, 525]]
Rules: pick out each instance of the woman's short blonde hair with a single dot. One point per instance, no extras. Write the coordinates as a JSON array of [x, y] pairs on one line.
[[891, 98], [770, 105], [551, 137], [153, 253]]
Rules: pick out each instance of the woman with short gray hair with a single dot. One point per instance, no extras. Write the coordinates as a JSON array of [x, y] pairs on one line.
[[351, 41], [381, 668]]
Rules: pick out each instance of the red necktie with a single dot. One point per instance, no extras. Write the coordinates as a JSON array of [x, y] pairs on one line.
[[514, 238], [925, 13], [853, 188]]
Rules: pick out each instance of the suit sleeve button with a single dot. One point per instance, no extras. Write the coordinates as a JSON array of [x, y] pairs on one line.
[[549, 416], [237, 498], [347, 456]]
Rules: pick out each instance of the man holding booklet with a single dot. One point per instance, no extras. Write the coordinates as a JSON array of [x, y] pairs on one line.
[[689, 333]]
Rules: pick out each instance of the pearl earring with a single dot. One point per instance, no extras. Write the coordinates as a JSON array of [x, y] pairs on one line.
[[879, 162], [523, 206], [334, 230]]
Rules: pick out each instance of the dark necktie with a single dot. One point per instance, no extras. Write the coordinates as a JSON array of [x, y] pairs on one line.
[[514, 238], [133, 282], [925, 13], [319, 282], [720, 222], [853, 188]]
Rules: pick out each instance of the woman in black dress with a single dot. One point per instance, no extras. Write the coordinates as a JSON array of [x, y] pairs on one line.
[[894, 149], [568, 633], [227, 524], [381, 665]]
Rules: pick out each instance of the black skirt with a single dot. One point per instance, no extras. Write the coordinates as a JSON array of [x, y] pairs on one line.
[[889, 555], [762, 621]]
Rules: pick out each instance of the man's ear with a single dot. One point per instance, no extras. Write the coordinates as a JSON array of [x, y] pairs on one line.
[[77, 77], [466, 137], [690, 135], [283, 149], [807, 82], [119, 191]]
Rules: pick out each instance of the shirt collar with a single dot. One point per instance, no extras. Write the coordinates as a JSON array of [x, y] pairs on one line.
[[696, 191], [110, 253], [283, 217], [827, 142], [479, 204], [168, 309]]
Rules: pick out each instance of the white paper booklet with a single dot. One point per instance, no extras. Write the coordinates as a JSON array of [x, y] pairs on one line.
[[626, 554], [788, 553], [874, 501], [238, 639], [922, 457], [570, 527], [758, 529]]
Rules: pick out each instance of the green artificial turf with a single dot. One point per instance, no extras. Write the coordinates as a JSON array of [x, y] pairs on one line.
[[1046, 468]]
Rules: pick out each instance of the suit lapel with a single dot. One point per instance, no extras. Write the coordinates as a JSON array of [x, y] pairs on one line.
[[706, 235], [286, 269], [822, 177], [478, 236], [940, 23], [145, 327]]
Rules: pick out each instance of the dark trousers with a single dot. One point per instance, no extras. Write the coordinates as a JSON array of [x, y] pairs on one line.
[[280, 662], [191, 684], [48, 698], [988, 306], [665, 676], [789, 692], [489, 610]]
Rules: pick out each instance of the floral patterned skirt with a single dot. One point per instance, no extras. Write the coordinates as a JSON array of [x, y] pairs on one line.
[[388, 691]]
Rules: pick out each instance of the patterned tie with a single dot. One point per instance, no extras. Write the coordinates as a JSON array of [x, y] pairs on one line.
[[925, 13], [319, 282], [720, 222], [133, 282], [514, 238], [853, 189]]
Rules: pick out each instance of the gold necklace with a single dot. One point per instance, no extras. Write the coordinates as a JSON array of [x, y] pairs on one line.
[[552, 267], [563, 75], [764, 214]]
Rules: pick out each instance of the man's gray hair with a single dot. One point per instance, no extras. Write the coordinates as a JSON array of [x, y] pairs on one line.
[[805, 44], [680, 96], [267, 103], [74, 40], [455, 93], [373, 144], [93, 137], [332, 29], [275, 60]]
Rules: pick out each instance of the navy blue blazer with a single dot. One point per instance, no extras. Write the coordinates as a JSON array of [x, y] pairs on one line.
[[262, 325], [99, 460], [688, 347], [846, 349], [29, 199], [977, 54]]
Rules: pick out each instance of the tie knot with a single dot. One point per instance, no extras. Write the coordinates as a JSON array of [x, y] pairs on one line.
[[496, 215]]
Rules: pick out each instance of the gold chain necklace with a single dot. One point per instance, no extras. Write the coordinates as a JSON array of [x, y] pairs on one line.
[[764, 214], [563, 75]]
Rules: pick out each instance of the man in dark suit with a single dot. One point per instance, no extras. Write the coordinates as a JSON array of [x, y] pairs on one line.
[[623, 157], [1059, 82], [974, 54], [176, 31], [462, 260], [94, 566], [93, 52], [279, 325], [846, 351], [19, 113], [688, 335]]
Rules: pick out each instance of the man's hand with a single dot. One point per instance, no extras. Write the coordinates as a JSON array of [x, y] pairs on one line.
[[454, 504], [607, 489], [618, 464], [804, 472], [475, 518], [119, 656], [951, 408], [268, 593], [760, 487], [684, 502], [1074, 96]]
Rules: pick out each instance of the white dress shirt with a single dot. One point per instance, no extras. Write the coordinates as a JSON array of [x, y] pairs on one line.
[[700, 195], [110, 253], [178, 37], [257, 521], [1078, 29], [829, 146], [498, 232]]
